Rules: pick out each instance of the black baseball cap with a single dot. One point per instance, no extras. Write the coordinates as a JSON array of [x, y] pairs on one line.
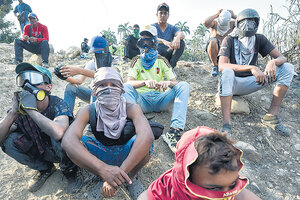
[[163, 5]]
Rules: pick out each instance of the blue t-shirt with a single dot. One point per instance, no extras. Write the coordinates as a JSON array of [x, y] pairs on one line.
[[23, 7], [168, 34]]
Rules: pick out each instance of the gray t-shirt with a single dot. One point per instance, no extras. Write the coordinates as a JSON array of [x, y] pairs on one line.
[[262, 46], [168, 34]]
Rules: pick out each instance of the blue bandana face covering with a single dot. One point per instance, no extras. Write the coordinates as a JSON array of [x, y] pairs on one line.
[[148, 57]]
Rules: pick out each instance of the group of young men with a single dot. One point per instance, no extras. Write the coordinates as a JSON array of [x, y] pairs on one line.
[[40, 130]]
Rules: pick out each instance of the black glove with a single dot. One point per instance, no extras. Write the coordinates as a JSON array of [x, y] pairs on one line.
[[58, 74], [28, 101]]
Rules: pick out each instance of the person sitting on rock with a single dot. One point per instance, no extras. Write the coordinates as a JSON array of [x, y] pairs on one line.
[[84, 46], [146, 85], [240, 74], [170, 38], [221, 25], [32, 129], [131, 50], [107, 154], [207, 166], [35, 40], [74, 89]]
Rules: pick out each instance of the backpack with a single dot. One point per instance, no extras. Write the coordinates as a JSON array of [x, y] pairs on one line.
[[127, 133]]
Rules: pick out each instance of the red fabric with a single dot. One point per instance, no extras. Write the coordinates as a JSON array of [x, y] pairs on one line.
[[174, 184], [35, 31]]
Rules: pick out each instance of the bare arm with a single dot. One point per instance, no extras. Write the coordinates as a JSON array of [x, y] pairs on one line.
[[246, 195], [136, 83], [279, 58], [54, 128], [143, 141], [6, 124], [76, 80], [224, 62], [209, 21], [68, 71]]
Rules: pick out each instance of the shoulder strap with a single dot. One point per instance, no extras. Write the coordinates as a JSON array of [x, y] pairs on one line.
[[92, 117], [134, 60], [165, 60]]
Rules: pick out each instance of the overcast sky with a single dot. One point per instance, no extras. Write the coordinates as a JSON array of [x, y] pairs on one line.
[[69, 21]]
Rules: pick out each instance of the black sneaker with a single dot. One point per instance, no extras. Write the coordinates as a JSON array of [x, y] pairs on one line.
[[226, 128], [74, 178], [39, 179], [45, 64], [171, 138], [275, 123]]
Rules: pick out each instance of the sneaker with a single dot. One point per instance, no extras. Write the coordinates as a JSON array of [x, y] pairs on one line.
[[275, 123], [39, 179], [95, 193], [45, 64], [74, 178], [171, 138], [135, 188], [215, 71], [226, 128]]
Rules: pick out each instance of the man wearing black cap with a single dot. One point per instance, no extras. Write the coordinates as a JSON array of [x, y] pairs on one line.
[[32, 129], [35, 40], [170, 38]]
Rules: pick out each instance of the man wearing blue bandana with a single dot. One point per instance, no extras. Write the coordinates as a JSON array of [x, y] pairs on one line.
[[147, 86]]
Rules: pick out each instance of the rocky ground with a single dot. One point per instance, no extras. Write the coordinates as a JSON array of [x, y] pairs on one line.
[[271, 161]]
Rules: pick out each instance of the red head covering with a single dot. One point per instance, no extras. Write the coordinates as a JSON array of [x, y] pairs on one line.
[[174, 184]]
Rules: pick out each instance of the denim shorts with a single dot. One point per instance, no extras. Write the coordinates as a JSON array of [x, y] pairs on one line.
[[111, 155]]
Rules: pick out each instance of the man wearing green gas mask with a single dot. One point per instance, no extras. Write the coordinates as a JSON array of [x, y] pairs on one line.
[[131, 50], [33, 128]]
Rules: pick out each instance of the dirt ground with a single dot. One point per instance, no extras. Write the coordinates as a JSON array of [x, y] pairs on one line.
[[274, 173]]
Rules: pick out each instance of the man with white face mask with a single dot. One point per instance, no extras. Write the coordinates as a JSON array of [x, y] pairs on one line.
[[109, 154], [240, 76], [221, 25]]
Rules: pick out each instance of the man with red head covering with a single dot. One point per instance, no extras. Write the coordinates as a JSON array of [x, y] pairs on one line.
[[207, 167]]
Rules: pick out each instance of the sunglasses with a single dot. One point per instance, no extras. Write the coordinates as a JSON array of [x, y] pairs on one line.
[[146, 43], [33, 77]]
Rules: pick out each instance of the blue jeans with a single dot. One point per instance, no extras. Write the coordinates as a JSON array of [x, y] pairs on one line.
[[35, 47], [233, 85], [22, 25], [156, 102], [83, 93], [111, 155]]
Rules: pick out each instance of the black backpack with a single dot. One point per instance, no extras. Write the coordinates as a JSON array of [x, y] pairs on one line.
[[127, 133]]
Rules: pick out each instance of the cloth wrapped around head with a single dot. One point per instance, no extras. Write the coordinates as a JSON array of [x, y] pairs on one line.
[[223, 22], [110, 105]]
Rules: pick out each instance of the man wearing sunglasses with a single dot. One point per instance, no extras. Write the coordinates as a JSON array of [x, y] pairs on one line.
[[146, 85], [170, 38], [33, 128]]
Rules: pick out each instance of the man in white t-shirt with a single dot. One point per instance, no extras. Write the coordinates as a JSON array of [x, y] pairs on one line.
[[77, 75]]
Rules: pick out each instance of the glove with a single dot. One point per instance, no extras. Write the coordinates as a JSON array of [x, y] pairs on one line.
[[28, 101], [58, 74]]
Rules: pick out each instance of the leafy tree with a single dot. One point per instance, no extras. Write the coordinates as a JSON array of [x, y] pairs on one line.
[[124, 30], [183, 27], [7, 29], [109, 36], [195, 47]]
